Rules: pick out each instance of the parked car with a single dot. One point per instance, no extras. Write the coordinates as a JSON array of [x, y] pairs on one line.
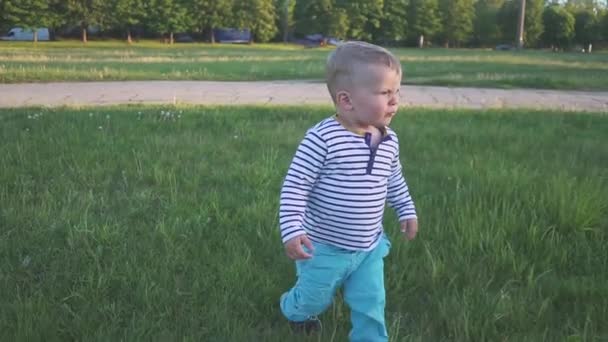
[[504, 47], [232, 35], [183, 38], [18, 33]]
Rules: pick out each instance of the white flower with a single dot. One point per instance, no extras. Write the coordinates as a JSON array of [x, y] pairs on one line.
[[26, 261], [100, 127]]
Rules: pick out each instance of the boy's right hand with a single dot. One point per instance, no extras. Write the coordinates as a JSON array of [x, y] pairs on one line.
[[294, 250]]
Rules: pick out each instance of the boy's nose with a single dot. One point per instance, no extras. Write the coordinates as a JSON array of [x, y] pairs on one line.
[[394, 100]]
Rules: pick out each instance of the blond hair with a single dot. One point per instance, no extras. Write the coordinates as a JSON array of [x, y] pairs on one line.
[[346, 59]]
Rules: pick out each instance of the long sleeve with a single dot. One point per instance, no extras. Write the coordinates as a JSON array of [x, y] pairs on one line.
[[398, 196], [300, 180]]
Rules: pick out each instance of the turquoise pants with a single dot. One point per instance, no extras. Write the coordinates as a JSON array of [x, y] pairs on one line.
[[361, 274]]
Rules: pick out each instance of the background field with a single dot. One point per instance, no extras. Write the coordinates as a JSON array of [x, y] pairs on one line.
[[113, 60], [150, 223]]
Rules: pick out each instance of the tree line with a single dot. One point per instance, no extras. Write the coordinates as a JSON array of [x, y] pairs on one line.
[[447, 23]]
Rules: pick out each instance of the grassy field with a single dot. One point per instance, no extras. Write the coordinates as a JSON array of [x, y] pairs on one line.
[[98, 61], [160, 223]]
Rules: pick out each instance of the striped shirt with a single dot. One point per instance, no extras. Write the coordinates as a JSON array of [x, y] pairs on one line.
[[337, 186]]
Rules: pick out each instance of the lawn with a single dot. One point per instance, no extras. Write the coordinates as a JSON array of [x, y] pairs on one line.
[[148, 60], [160, 223]]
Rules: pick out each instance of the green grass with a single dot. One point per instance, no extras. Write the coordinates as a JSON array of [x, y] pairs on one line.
[[123, 223], [99, 61]]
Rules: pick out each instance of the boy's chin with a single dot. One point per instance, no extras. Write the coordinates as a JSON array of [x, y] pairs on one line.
[[386, 121]]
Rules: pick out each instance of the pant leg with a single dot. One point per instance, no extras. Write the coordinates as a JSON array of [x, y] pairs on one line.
[[318, 280], [365, 295]]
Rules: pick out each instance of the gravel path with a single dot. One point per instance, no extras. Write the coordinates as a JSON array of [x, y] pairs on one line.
[[283, 93]]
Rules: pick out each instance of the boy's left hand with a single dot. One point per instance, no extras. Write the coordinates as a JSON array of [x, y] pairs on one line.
[[409, 228]]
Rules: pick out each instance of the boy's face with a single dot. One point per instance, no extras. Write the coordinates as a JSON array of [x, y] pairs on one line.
[[374, 95]]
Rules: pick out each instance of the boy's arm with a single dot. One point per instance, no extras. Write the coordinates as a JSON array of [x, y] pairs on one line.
[[301, 177], [398, 196]]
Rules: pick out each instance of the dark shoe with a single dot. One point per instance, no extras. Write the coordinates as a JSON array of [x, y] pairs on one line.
[[307, 327]]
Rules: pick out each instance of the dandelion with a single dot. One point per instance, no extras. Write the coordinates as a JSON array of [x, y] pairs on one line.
[[107, 116], [26, 261], [100, 127]]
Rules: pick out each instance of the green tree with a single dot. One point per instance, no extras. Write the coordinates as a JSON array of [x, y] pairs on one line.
[[604, 25], [210, 14], [256, 15], [315, 16], [587, 28], [559, 26], [364, 16], [86, 13], [424, 19], [285, 17], [338, 23], [458, 16], [338, 18], [264, 20], [2, 17], [393, 25], [533, 28], [126, 14], [28, 14], [583, 4], [168, 17], [485, 30]]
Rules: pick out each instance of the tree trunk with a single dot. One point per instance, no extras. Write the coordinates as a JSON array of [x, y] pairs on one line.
[[286, 22], [285, 30], [129, 39], [520, 25], [212, 35], [171, 41], [35, 35], [84, 34]]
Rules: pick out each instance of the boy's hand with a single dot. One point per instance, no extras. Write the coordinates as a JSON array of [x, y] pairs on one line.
[[294, 250], [409, 228]]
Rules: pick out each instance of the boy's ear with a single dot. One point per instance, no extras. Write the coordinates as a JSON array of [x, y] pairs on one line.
[[343, 100]]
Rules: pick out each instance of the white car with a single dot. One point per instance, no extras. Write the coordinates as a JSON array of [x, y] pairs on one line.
[[18, 33]]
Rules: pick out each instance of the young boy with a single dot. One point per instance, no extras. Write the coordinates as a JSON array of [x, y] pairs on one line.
[[333, 198]]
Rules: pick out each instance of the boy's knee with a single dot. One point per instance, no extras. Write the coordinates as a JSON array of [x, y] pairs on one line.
[[307, 300], [314, 300]]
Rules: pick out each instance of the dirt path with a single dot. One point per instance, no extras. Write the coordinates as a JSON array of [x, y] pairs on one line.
[[283, 93]]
